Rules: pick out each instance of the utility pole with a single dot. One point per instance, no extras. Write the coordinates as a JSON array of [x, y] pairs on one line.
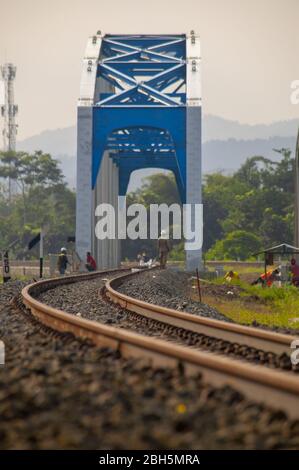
[[9, 111], [41, 253], [296, 234]]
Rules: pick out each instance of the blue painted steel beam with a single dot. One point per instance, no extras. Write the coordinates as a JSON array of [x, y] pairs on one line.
[[143, 124]]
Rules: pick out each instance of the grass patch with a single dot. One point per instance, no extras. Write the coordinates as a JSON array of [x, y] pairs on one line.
[[243, 269], [19, 277], [274, 306]]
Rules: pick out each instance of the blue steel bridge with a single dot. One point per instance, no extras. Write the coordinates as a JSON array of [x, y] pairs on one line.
[[139, 107]]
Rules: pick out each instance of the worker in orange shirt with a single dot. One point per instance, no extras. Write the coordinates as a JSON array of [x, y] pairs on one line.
[[268, 278]]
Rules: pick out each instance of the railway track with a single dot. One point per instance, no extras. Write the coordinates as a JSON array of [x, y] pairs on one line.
[[260, 339], [274, 387]]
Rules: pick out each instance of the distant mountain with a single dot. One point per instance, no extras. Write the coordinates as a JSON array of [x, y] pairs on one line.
[[217, 128], [228, 155], [226, 145], [56, 142]]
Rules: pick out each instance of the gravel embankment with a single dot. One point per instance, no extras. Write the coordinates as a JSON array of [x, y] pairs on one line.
[[57, 392], [161, 285], [83, 299], [169, 289]]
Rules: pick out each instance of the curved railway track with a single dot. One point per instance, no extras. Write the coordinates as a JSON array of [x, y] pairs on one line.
[[258, 338], [274, 387]]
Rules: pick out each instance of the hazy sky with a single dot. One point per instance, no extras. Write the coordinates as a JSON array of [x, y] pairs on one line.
[[250, 52]]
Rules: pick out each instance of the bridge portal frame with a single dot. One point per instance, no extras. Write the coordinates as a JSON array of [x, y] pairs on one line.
[[139, 107]]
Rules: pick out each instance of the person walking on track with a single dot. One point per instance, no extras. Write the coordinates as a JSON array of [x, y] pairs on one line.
[[163, 248], [62, 261]]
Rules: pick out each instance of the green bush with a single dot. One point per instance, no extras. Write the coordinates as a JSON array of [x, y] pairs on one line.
[[237, 245]]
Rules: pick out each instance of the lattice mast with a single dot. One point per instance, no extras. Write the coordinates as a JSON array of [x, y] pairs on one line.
[[9, 110]]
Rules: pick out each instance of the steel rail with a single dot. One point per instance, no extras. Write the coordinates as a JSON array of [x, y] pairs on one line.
[[258, 338], [274, 387]]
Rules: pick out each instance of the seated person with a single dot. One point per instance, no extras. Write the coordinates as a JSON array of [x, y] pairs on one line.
[[231, 275], [91, 264], [145, 260]]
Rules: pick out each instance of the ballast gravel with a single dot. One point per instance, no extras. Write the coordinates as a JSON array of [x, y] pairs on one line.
[[170, 289], [60, 393], [86, 299]]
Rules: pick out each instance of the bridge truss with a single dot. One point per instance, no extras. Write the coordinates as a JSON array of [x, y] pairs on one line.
[[139, 107]]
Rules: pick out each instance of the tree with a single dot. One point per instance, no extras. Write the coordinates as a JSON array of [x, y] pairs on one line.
[[257, 199], [276, 228], [43, 199], [29, 171], [219, 196], [237, 245], [253, 170], [156, 189]]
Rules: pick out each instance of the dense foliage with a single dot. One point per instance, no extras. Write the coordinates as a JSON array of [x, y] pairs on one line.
[[157, 189], [252, 209], [243, 212], [39, 197]]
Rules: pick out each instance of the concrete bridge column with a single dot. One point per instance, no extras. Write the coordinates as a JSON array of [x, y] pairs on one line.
[[106, 191], [193, 137]]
